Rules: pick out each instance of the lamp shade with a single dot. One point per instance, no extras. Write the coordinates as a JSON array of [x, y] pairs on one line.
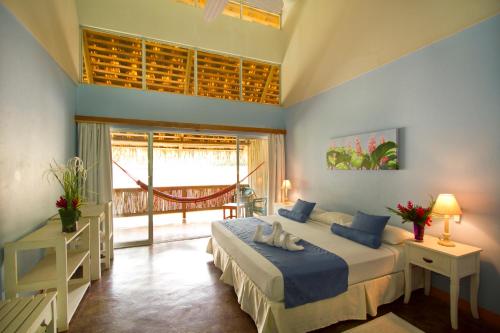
[[446, 204], [287, 184]]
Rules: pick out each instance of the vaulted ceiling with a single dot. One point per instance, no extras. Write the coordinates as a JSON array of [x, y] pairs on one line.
[[323, 43]]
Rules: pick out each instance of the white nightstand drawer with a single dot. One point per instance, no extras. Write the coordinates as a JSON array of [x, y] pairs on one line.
[[430, 260]]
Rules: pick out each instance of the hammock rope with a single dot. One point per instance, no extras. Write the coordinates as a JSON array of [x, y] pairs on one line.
[[173, 198]]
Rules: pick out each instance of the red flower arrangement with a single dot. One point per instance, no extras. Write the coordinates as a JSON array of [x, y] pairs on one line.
[[63, 203], [420, 216], [415, 213]]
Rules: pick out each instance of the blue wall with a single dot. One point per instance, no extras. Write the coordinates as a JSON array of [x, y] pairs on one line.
[[37, 105], [104, 101], [446, 100]]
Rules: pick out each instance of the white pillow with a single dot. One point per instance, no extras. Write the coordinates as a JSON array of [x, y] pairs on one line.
[[330, 218], [395, 235], [316, 212]]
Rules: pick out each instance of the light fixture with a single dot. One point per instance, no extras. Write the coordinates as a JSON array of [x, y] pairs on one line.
[[446, 205], [287, 185]]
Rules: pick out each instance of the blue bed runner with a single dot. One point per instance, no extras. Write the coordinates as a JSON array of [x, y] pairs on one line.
[[309, 275]]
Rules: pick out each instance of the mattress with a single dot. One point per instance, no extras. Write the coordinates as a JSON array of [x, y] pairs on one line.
[[364, 263]]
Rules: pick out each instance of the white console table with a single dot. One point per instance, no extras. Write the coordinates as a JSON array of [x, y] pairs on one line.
[[100, 217], [64, 254]]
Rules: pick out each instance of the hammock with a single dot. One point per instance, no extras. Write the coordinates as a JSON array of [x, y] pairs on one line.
[[170, 197]]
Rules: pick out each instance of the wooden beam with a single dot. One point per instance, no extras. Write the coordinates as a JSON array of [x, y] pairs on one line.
[[266, 86], [86, 59], [188, 72], [169, 124]]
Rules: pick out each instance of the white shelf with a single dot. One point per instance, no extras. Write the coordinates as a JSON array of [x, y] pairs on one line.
[[76, 291], [52, 231], [64, 254], [45, 271]]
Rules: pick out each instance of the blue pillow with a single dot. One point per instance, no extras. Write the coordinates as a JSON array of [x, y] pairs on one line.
[[371, 224], [357, 236], [299, 217], [303, 207]]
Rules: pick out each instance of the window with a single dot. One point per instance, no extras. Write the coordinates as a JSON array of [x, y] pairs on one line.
[[261, 82], [218, 76], [115, 60], [112, 60], [243, 10], [169, 68]]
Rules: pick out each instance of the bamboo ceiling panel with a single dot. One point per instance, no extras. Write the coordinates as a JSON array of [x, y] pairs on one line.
[[169, 68], [261, 82], [218, 76], [112, 60]]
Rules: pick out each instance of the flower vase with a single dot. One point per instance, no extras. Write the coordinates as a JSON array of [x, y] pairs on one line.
[[418, 231], [69, 217]]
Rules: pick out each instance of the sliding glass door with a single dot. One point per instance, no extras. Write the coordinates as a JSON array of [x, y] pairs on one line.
[[221, 175]]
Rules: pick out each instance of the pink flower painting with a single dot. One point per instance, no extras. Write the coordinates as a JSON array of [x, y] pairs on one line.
[[371, 151]]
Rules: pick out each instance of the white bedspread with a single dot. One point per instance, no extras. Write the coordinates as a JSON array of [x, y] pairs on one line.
[[364, 263]]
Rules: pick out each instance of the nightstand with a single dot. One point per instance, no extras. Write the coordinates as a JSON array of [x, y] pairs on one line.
[[285, 204], [454, 262]]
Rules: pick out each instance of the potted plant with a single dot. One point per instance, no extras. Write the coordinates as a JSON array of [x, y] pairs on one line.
[[420, 216], [71, 177]]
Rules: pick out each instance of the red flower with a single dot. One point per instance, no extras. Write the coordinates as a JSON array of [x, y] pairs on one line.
[[359, 150], [62, 203], [402, 209], [420, 211], [372, 144], [410, 205], [74, 203], [428, 221]]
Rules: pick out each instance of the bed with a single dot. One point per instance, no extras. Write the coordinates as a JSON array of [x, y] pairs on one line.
[[375, 278]]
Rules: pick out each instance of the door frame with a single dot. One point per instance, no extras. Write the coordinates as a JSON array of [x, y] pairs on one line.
[[149, 240]]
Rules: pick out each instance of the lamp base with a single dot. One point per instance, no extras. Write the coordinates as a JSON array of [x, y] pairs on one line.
[[445, 241]]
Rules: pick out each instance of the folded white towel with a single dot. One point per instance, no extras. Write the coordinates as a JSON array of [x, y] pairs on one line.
[[278, 238]]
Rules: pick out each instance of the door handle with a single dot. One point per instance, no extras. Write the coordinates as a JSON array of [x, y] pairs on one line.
[[429, 261]]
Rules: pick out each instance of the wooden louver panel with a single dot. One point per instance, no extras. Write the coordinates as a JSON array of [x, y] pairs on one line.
[[218, 76], [169, 68], [112, 60], [261, 82]]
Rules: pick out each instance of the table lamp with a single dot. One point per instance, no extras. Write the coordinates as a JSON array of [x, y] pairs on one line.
[[287, 185], [446, 205]]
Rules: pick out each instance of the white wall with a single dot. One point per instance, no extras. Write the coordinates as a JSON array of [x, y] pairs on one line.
[[333, 41], [446, 101], [37, 106], [54, 23]]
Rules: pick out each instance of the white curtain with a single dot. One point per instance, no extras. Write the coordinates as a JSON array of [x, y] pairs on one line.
[[94, 148], [276, 168], [258, 153]]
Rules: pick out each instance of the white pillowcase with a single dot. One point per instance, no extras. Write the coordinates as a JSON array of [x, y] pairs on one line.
[[394, 235], [330, 218], [316, 213]]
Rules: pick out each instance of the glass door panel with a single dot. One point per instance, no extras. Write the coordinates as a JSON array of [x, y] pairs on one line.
[[191, 165], [131, 202]]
